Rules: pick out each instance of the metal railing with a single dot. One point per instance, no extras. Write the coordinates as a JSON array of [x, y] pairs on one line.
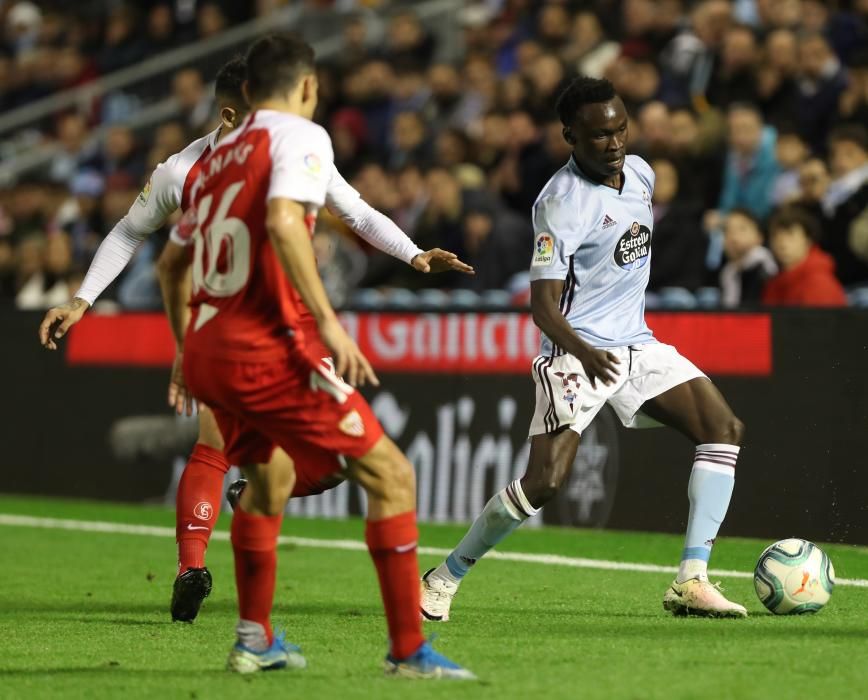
[[20, 156]]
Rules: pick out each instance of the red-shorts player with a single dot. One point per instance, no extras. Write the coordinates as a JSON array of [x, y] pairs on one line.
[[254, 274]]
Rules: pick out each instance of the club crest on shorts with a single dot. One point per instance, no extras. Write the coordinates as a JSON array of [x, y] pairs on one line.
[[203, 510], [634, 247], [352, 424], [543, 250], [569, 383]]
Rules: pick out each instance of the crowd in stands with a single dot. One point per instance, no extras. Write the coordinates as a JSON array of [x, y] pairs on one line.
[[752, 113]]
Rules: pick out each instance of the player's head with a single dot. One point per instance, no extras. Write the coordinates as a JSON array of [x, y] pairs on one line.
[[228, 90], [595, 126], [282, 75]]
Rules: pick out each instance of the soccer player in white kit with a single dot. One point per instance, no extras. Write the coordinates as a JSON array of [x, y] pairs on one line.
[[169, 189], [593, 227]]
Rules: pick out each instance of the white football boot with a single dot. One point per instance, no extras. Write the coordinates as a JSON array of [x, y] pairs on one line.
[[698, 596], [437, 595]]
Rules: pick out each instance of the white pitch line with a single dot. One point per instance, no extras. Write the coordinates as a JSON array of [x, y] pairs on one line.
[[356, 546]]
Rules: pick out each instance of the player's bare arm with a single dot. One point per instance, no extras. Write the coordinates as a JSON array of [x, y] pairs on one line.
[[291, 240], [544, 303], [173, 271], [66, 315]]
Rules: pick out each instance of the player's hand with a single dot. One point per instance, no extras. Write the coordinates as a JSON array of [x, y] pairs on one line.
[[179, 398], [599, 364], [439, 260], [67, 315], [349, 361]]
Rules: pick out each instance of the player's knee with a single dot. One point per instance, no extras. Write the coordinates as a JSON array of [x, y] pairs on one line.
[[400, 481], [728, 432], [541, 491]]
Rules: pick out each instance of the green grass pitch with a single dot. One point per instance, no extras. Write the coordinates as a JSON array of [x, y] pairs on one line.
[[84, 615]]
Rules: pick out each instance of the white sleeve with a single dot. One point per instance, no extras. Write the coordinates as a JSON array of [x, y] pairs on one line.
[[160, 197], [371, 225], [301, 164], [556, 238]]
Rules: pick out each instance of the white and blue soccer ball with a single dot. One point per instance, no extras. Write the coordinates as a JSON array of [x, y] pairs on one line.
[[793, 577]]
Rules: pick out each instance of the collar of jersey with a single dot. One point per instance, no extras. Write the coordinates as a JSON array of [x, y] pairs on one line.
[[574, 166]]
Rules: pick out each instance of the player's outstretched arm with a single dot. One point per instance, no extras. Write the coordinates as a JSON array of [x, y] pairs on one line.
[[146, 214], [545, 295], [173, 271], [384, 234], [289, 235]]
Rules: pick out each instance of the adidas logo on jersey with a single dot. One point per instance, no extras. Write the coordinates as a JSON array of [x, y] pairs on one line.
[[608, 222]]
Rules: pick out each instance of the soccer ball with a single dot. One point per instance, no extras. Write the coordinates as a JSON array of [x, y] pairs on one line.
[[794, 577]]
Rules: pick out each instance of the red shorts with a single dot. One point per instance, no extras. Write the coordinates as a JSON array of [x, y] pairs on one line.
[[295, 404]]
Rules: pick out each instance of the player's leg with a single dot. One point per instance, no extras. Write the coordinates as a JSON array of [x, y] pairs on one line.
[[549, 465], [197, 506], [566, 403], [255, 529], [392, 535], [698, 410]]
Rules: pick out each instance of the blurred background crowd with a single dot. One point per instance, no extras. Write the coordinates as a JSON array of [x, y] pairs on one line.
[[753, 114]]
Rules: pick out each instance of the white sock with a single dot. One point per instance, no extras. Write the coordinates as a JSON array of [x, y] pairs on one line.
[[252, 635], [504, 512], [709, 489]]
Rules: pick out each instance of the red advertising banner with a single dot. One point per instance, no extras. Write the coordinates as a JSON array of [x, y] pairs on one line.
[[456, 343]]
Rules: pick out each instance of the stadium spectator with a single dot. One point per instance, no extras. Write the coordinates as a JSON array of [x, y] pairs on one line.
[[749, 264], [690, 57], [45, 267], [735, 78], [846, 198], [124, 45], [807, 276], [777, 77], [679, 244], [590, 52], [751, 168], [822, 81], [195, 101], [791, 152]]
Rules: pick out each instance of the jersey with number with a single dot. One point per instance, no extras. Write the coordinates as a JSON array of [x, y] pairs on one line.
[[243, 306], [598, 240]]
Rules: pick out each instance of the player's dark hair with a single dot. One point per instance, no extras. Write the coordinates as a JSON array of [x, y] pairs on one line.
[[580, 92], [850, 133], [276, 63], [792, 216], [230, 78]]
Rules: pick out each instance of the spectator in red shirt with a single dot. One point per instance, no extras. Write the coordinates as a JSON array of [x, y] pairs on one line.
[[807, 276]]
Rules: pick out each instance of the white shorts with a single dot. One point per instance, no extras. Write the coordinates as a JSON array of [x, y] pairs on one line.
[[564, 396]]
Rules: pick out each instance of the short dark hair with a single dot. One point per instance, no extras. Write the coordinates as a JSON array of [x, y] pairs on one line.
[[851, 133], [793, 215], [749, 215], [230, 78], [580, 92], [276, 63]]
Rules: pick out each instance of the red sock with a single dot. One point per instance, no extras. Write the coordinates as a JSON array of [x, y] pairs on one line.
[[197, 504], [254, 542], [392, 543]]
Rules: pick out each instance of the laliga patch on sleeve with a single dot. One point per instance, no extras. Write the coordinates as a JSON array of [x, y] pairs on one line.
[[543, 250], [145, 193]]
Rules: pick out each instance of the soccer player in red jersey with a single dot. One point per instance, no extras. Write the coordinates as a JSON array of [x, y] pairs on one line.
[[253, 359], [168, 189]]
